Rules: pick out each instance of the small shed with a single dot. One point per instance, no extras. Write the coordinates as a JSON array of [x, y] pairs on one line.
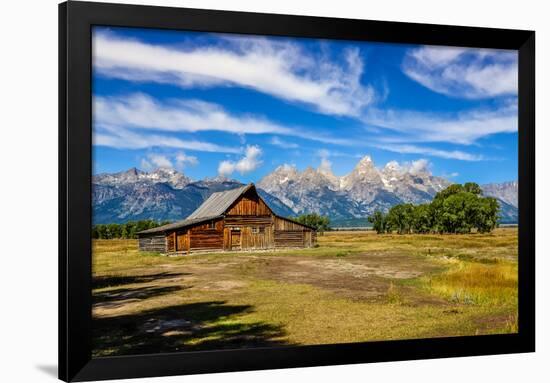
[[232, 220]]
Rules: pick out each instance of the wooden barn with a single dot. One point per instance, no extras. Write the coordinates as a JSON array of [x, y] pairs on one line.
[[232, 220]]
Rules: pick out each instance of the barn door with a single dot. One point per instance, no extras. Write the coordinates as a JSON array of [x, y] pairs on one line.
[[235, 239]]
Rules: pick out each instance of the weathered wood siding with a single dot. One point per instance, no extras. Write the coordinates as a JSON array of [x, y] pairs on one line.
[[248, 232], [182, 240], [289, 238], [291, 234], [310, 238], [239, 221], [153, 242], [171, 242], [249, 204], [248, 237], [204, 237], [285, 224]]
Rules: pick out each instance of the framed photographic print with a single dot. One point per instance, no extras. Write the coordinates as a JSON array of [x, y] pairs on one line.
[[249, 191]]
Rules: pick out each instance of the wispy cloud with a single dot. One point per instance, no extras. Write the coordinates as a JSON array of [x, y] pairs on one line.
[[276, 141], [139, 111], [464, 72], [178, 160], [450, 175], [153, 161], [277, 68], [459, 128], [250, 162], [429, 151], [120, 138], [311, 78], [183, 160]]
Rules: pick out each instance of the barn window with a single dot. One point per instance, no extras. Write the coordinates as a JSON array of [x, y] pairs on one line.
[[258, 230], [211, 225]]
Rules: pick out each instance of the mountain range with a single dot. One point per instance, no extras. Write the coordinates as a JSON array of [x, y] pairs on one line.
[[166, 194]]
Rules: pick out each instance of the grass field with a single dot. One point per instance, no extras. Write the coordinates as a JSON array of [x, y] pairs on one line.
[[353, 287]]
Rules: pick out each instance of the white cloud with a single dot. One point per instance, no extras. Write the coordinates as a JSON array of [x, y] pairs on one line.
[[183, 160], [283, 143], [464, 72], [463, 128], [156, 161], [325, 166], [280, 69], [250, 162], [415, 149], [120, 138], [139, 111], [421, 165], [171, 161]]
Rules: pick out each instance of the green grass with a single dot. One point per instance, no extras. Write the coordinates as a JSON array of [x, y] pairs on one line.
[[356, 286]]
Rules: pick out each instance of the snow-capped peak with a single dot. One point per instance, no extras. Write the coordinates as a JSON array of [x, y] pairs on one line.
[[161, 175]]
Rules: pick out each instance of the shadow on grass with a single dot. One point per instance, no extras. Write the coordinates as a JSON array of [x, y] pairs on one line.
[[122, 296], [190, 327], [113, 281]]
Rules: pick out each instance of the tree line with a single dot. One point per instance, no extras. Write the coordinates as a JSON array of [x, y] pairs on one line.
[[456, 209], [126, 230]]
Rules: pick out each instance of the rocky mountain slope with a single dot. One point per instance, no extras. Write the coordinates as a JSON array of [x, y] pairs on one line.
[[507, 195], [166, 194], [163, 195], [358, 194]]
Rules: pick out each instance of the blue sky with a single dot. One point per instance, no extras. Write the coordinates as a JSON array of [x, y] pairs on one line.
[[239, 106]]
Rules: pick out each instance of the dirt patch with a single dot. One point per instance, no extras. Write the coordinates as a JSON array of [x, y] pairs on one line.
[[364, 276], [223, 285]]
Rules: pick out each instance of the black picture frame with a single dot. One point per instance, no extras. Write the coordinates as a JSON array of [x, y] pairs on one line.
[[75, 170]]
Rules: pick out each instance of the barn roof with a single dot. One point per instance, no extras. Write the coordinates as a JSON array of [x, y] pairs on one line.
[[219, 202], [214, 207], [177, 225]]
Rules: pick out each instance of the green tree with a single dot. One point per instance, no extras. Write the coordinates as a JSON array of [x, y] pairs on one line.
[[379, 222], [319, 222], [124, 231], [456, 209], [449, 191], [422, 219], [487, 217], [472, 187], [400, 218], [457, 212]]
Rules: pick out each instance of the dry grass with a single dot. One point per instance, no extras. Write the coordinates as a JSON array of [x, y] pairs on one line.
[[356, 286], [475, 283]]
